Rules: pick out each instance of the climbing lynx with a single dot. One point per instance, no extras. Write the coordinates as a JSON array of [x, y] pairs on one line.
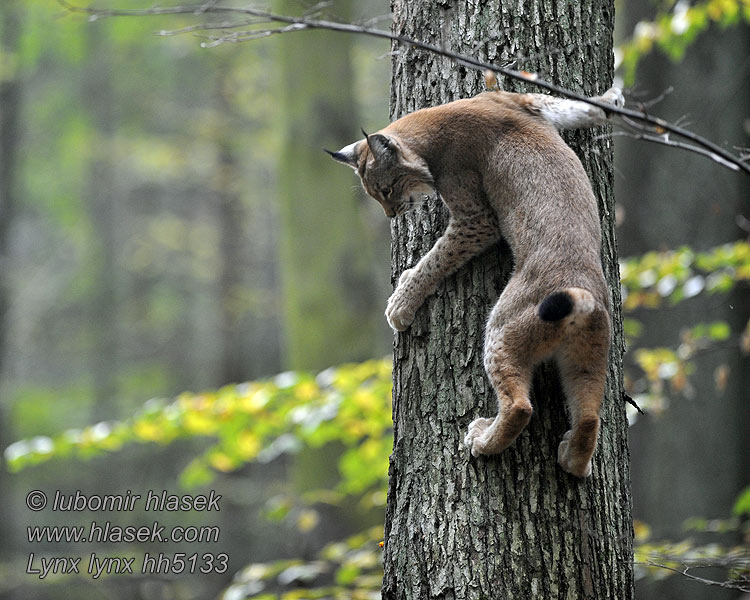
[[499, 165]]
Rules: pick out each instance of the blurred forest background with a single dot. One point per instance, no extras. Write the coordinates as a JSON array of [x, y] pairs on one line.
[[168, 222]]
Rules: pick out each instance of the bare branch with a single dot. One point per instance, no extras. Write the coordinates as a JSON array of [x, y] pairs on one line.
[[654, 101], [664, 140], [651, 129], [246, 36], [742, 585]]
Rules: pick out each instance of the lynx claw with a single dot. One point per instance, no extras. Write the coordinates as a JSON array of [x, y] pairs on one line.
[[566, 461], [472, 439]]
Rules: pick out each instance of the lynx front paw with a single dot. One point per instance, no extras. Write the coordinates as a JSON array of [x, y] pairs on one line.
[[401, 308], [474, 438], [397, 313], [569, 462]]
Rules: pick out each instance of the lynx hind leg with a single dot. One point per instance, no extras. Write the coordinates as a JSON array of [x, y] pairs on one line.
[[583, 368], [509, 368]]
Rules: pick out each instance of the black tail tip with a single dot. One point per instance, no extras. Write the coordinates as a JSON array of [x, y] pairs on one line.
[[556, 306]]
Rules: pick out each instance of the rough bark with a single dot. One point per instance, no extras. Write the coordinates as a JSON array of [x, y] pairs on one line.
[[514, 525]]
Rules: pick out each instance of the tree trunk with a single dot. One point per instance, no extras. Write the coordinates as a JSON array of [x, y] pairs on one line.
[[325, 267], [10, 109], [513, 525], [99, 98], [231, 218], [705, 431]]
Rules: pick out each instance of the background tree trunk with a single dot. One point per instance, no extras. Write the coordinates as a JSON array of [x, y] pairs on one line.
[[10, 109], [515, 525], [234, 364], [102, 198], [674, 199], [325, 259]]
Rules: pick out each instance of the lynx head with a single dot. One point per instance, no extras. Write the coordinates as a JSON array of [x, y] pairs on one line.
[[390, 172]]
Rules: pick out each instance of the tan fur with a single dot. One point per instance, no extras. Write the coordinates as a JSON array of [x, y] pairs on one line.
[[501, 168]]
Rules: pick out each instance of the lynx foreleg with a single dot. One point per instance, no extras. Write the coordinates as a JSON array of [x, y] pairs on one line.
[[564, 113], [463, 239]]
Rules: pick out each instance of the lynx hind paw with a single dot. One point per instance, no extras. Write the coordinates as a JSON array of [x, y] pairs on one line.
[[614, 97], [566, 461], [472, 439]]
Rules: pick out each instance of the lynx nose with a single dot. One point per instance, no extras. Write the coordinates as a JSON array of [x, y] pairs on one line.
[[389, 212]]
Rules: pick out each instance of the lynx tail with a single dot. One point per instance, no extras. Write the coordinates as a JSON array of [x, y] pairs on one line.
[[559, 305]]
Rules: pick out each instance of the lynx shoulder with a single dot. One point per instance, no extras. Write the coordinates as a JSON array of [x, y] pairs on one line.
[[498, 163]]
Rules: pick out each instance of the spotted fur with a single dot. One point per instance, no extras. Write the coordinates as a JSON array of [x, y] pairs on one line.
[[501, 168]]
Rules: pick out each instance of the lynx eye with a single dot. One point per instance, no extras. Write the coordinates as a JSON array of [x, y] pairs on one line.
[[386, 191]]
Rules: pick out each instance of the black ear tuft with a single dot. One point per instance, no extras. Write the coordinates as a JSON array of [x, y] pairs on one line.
[[347, 155], [339, 156]]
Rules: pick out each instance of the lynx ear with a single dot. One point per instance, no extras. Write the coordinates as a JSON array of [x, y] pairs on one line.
[[381, 146], [347, 155]]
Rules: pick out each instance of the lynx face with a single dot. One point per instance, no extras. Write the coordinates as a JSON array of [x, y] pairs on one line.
[[396, 178]]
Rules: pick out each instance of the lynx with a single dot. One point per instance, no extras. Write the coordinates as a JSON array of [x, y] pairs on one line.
[[499, 165]]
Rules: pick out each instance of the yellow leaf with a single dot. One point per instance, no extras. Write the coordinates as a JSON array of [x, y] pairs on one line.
[[221, 462], [147, 430], [365, 399], [306, 391], [248, 444], [307, 520], [642, 530], [198, 422], [254, 401]]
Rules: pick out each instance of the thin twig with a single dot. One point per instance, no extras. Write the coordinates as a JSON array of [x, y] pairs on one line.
[[246, 36], [654, 101], [665, 141], [651, 127], [205, 7], [629, 400], [740, 585], [209, 26]]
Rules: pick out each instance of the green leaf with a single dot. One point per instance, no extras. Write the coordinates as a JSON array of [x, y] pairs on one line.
[[674, 29], [742, 503]]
